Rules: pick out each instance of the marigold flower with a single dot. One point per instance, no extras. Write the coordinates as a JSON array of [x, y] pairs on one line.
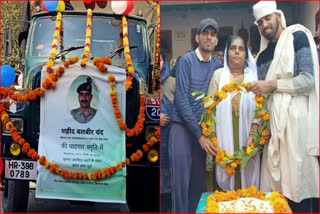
[[248, 150], [42, 160], [230, 170], [261, 113], [214, 141], [206, 132], [265, 133], [262, 141], [47, 164], [233, 164], [258, 105], [266, 117]]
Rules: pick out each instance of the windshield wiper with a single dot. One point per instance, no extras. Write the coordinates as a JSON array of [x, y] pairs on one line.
[[119, 51], [66, 51]]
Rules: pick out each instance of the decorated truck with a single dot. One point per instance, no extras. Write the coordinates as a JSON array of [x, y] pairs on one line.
[[83, 125]]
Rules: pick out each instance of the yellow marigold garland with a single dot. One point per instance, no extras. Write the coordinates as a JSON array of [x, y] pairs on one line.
[[129, 64], [86, 51], [277, 201], [208, 121], [55, 41]]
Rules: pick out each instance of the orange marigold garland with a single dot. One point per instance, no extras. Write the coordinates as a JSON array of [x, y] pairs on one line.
[[54, 167], [86, 51], [277, 201], [100, 63], [21, 96], [50, 83], [129, 64], [136, 130], [208, 121]]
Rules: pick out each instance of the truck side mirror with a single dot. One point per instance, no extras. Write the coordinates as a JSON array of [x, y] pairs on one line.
[[7, 41]]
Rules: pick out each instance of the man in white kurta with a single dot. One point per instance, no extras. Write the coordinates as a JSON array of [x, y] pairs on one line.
[[288, 68]]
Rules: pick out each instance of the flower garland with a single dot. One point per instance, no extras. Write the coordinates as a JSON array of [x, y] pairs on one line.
[[156, 70], [50, 83], [55, 41], [8, 92], [100, 63], [136, 130], [136, 156], [86, 51], [208, 120], [67, 174], [129, 67], [277, 201]]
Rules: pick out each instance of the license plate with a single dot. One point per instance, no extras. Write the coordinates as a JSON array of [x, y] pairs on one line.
[[22, 170]]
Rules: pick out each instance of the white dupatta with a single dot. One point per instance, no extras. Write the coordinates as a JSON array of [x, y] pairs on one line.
[[251, 173]]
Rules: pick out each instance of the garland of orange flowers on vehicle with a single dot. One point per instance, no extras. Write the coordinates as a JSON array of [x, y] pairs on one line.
[[67, 174], [136, 156], [86, 50], [156, 69], [55, 42], [278, 202], [231, 161], [129, 64], [100, 63], [136, 130], [50, 83]]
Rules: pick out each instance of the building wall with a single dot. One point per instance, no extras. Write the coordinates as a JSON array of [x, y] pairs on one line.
[[180, 19]]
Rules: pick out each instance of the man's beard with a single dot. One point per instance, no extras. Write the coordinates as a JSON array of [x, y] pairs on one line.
[[273, 34], [205, 49]]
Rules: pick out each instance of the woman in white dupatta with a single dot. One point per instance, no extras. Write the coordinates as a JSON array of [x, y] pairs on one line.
[[235, 116]]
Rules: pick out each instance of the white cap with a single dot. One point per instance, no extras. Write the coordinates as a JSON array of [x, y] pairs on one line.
[[263, 8]]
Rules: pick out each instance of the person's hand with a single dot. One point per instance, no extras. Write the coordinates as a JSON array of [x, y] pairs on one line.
[[263, 86], [250, 140], [207, 146], [164, 119]]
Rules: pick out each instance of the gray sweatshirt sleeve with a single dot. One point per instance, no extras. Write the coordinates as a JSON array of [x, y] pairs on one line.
[[303, 80], [182, 102]]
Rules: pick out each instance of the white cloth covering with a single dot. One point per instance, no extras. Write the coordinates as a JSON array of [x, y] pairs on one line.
[[290, 164], [251, 173]]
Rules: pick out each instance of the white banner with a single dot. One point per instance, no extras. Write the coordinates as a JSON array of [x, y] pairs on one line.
[[79, 132]]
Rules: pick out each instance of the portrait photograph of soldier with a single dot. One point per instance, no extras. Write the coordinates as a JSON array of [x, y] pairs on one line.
[[85, 107]]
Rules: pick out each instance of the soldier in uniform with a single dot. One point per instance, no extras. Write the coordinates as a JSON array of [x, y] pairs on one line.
[[84, 113]]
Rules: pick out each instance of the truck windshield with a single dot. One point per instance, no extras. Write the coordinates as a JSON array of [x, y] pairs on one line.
[[105, 37]]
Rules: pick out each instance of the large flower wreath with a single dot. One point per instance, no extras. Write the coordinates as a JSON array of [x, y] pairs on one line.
[[208, 121]]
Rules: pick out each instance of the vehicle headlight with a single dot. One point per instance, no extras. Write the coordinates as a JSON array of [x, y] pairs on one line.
[[15, 149], [150, 130], [17, 122], [153, 155]]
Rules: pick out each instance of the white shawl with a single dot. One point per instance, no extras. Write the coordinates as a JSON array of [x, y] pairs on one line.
[[288, 142], [251, 173]]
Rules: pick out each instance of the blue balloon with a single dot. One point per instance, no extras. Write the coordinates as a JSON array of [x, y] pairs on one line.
[[51, 5], [7, 75]]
